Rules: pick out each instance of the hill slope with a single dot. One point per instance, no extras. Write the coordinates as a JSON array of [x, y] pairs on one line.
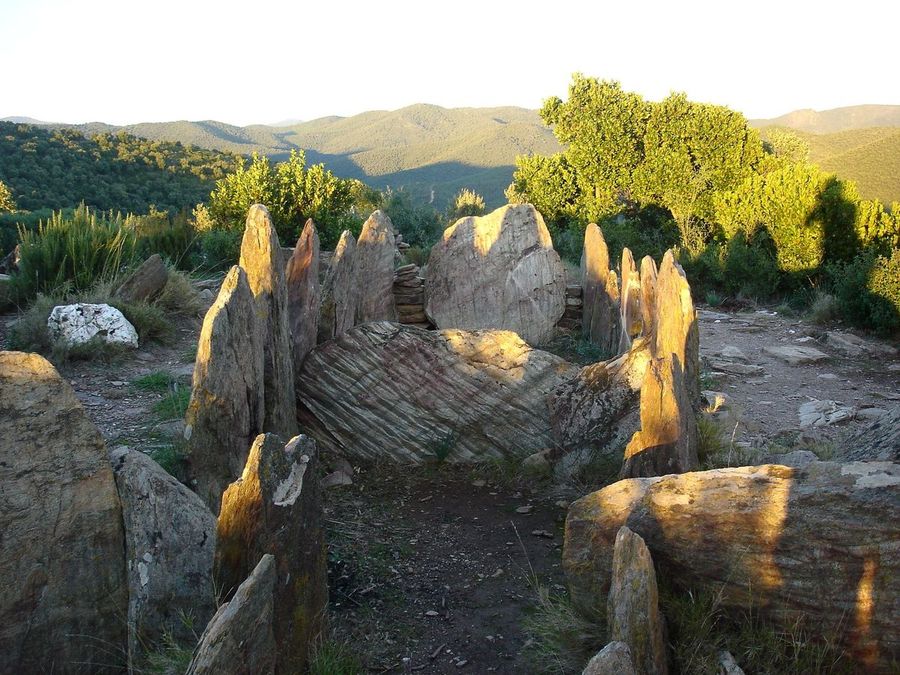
[[836, 119]]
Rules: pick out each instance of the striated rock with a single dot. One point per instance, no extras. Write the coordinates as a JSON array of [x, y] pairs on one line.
[[630, 322], [736, 368], [613, 659], [667, 439], [383, 390], [633, 604], [795, 355], [302, 278], [878, 440], [240, 638], [338, 309], [648, 295], [170, 538], [262, 261], [78, 324], [497, 271], [374, 270], [276, 508], [65, 594], [817, 413], [600, 320], [226, 409], [676, 324], [818, 543], [146, 281]]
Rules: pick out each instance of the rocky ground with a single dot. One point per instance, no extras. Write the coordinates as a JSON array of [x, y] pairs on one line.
[[433, 569]]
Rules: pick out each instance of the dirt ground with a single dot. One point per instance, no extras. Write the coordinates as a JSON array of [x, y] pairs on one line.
[[432, 569]]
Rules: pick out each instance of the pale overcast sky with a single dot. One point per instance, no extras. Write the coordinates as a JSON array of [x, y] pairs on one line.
[[260, 61]]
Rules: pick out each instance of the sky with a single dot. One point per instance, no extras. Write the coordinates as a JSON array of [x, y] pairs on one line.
[[128, 61]]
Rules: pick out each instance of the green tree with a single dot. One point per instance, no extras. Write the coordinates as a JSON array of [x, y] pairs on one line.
[[7, 203], [466, 203]]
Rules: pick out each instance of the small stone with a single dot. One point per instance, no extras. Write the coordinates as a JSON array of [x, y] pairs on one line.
[[431, 613], [480, 482], [827, 376], [525, 509], [542, 533], [337, 478]]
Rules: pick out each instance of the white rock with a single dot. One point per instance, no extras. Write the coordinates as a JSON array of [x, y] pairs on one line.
[[78, 324], [822, 413], [795, 355]]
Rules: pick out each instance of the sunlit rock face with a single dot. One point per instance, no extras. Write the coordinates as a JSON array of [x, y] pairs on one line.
[[387, 391], [818, 543], [675, 324], [630, 323], [64, 600], [600, 317], [227, 409], [276, 507], [337, 313], [302, 278], [374, 270], [498, 271]]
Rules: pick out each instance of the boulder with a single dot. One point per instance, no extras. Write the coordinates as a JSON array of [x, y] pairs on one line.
[[817, 413], [302, 278], [629, 302], [65, 594], [226, 409], [170, 539], [676, 324], [853, 345], [374, 270], [613, 659], [276, 508], [497, 271], [632, 609], [240, 638], [877, 440], [667, 440], [339, 297], [649, 274], [145, 282], [795, 355], [388, 391], [78, 324], [600, 318], [817, 544], [262, 261]]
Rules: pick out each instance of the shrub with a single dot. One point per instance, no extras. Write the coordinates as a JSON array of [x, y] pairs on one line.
[[219, 249], [868, 290], [419, 225], [750, 268], [466, 203]]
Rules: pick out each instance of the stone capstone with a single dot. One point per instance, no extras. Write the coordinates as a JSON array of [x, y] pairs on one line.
[[497, 271], [78, 324]]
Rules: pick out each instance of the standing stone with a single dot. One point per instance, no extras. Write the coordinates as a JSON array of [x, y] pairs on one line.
[[226, 411], [276, 507], [677, 331], [146, 281], [170, 539], [648, 295], [64, 597], [374, 270], [667, 439], [302, 277], [497, 271], [240, 638], [632, 609], [600, 321], [613, 659], [261, 260], [629, 302], [339, 294]]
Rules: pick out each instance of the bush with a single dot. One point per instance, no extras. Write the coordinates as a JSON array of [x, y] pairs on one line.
[[420, 225], [750, 267], [218, 249], [867, 290]]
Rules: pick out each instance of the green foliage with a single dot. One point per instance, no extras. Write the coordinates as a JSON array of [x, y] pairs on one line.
[[219, 249], [420, 225], [868, 290], [174, 405], [7, 203], [330, 657], [172, 457], [158, 381], [466, 203], [750, 268]]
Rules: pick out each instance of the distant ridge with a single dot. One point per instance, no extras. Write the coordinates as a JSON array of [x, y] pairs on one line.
[[836, 119]]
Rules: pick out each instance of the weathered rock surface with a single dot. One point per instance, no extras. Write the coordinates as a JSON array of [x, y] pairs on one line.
[[262, 261], [667, 439], [65, 595], [374, 270], [676, 330], [226, 411], [276, 507], [600, 321], [878, 440], [795, 355], [853, 345], [383, 390], [339, 299], [727, 665], [170, 539], [497, 271], [80, 323], [649, 275], [613, 659], [302, 278], [633, 604], [817, 413], [240, 638], [146, 281], [818, 543], [629, 302]]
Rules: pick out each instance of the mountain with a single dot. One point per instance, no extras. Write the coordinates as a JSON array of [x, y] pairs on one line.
[[836, 119]]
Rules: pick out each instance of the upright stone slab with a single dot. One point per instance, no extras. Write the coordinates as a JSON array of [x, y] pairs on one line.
[[170, 539], [632, 609], [146, 281], [240, 638], [276, 507], [261, 260], [497, 271], [227, 409], [339, 294], [629, 302], [667, 439], [374, 270], [64, 596], [600, 320], [302, 278], [677, 331], [648, 295]]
